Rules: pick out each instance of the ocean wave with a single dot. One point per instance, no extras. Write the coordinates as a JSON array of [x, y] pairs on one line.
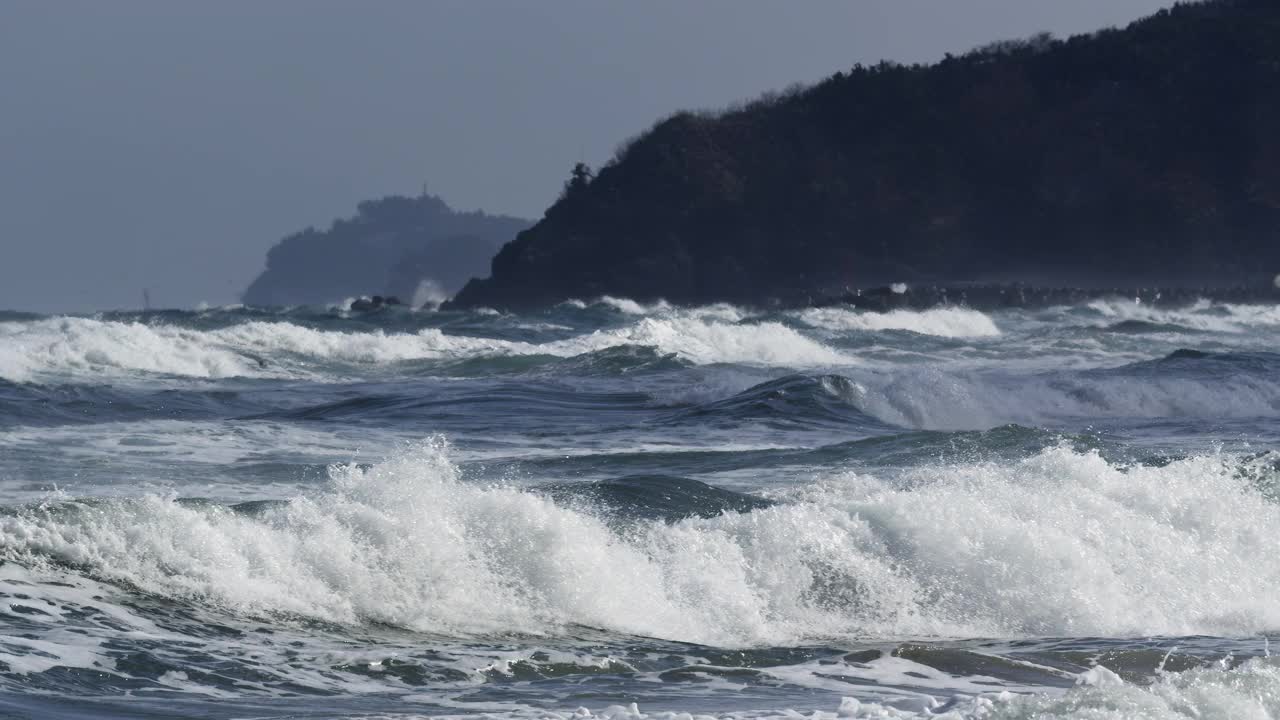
[[1059, 543], [706, 342], [631, 307], [937, 398], [1204, 316], [723, 312], [78, 345], [948, 322], [84, 347], [793, 400]]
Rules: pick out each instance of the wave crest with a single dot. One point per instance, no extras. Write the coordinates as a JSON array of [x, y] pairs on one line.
[[948, 322], [79, 346], [1060, 543], [1204, 316], [1220, 386]]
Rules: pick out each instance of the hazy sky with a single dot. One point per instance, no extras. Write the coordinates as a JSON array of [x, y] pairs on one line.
[[167, 144]]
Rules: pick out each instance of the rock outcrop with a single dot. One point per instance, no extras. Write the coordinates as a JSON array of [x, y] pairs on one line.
[[394, 246]]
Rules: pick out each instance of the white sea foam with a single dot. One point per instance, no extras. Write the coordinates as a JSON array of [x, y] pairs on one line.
[[948, 322], [78, 346], [1203, 315], [1249, 691], [723, 312], [701, 341], [1062, 543], [24, 653], [1246, 692], [83, 349], [631, 307]]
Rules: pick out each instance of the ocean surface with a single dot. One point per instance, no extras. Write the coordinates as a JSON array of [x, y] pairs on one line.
[[610, 509]]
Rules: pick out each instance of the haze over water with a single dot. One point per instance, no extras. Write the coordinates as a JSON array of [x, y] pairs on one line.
[[614, 509]]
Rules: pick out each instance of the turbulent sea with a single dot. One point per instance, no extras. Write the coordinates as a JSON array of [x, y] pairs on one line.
[[616, 510]]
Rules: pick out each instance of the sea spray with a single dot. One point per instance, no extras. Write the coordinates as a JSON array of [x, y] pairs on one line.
[[1060, 543], [720, 511], [72, 347], [951, 322]]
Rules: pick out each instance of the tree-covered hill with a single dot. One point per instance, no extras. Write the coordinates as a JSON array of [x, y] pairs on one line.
[[1134, 156], [390, 247]]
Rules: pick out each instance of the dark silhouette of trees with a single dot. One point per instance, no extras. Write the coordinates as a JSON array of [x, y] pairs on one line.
[[579, 179], [1137, 156]]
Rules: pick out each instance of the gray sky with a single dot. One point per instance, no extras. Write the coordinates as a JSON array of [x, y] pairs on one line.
[[167, 144]]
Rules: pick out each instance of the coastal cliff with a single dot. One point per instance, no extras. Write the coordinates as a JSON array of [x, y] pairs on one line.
[[1139, 156]]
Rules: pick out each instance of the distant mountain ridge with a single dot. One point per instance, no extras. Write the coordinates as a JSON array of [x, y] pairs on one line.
[[1143, 156], [391, 246]]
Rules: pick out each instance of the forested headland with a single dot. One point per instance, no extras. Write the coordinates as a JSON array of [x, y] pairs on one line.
[[1138, 156]]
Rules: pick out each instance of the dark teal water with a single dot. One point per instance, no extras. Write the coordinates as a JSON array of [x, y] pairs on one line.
[[312, 513]]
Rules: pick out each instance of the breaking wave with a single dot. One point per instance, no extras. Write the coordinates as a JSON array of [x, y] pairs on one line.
[[1203, 316], [1060, 543], [81, 348], [1186, 384], [1240, 385], [948, 322]]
